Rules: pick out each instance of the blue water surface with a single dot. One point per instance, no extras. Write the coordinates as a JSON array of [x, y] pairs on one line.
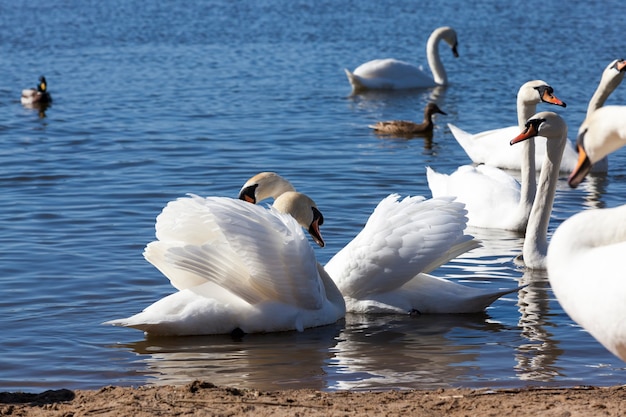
[[153, 100]]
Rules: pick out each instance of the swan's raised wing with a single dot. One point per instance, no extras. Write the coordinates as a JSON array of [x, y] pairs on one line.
[[255, 253], [401, 239]]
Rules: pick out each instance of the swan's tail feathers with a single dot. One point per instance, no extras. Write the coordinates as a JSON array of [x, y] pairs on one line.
[[357, 85], [486, 300], [463, 138], [458, 249]]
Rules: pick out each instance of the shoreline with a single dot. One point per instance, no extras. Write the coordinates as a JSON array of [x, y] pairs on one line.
[[206, 399]]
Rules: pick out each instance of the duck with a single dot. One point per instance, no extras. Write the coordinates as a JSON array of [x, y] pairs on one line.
[[494, 199], [239, 268], [490, 147], [584, 259], [404, 128], [393, 74], [551, 126], [38, 95], [385, 268]]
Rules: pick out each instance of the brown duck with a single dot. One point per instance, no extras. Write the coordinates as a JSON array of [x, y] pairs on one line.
[[405, 128]]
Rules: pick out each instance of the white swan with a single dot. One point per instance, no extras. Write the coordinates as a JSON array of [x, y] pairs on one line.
[[554, 129], [601, 134], [493, 198], [585, 257], [384, 268], [392, 74], [491, 147], [239, 268]]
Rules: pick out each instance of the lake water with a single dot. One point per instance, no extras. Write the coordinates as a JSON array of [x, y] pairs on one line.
[[153, 100]]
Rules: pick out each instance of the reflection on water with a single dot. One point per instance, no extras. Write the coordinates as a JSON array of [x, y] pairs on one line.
[[273, 361], [537, 356], [364, 352]]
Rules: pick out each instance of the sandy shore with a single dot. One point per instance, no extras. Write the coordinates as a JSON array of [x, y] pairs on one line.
[[206, 399]]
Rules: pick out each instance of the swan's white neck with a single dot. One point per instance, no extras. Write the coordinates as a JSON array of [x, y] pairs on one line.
[[536, 240], [527, 166], [609, 82], [434, 60]]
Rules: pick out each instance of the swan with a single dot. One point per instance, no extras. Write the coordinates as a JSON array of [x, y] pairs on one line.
[[551, 126], [490, 147], [384, 269], [392, 74], [238, 268], [585, 265], [602, 133], [407, 129], [493, 198], [38, 95]]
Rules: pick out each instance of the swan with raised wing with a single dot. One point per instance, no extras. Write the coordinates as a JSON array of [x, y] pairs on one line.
[[493, 198], [585, 258], [239, 268], [384, 269], [393, 74], [491, 147]]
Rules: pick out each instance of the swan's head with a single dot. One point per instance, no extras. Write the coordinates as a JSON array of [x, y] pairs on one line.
[[43, 85], [545, 123], [302, 208], [538, 91], [601, 133], [449, 36], [264, 185], [613, 74]]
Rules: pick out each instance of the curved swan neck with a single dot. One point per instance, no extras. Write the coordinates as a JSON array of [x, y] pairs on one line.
[[611, 79], [536, 239], [526, 110], [434, 59]]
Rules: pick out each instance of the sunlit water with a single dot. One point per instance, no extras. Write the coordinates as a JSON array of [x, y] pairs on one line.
[[155, 100]]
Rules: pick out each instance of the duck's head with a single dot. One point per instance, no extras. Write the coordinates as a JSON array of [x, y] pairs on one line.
[[432, 108], [43, 85]]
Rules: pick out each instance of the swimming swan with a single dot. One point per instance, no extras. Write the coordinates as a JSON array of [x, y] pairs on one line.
[[239, 268], [384, 269], [392, 74], [585, 257], [554, 129], [492, 197], [491, 147]]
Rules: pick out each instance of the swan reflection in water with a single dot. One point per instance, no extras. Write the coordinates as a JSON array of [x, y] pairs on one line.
[[362, 352], [537, 356]]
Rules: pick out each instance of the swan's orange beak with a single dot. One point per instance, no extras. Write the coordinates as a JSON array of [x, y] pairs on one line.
[[583, 166], [248, 194], [548, 97], [530, 132], [314, 228], [621, 65]]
